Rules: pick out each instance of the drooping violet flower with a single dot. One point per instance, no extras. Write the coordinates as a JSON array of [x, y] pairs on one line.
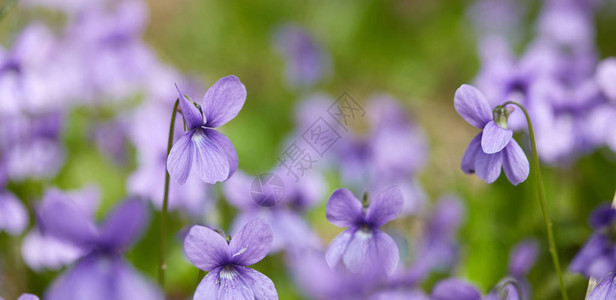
[[193, 197], [227, 262], [203, 149], [605, 290], [102, 273], [596, 258], [606, 77], [307, 62], [364, 248], [13, 214], [494, 147]]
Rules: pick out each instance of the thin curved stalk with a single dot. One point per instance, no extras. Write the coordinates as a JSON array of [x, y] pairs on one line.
[[541, 196], [163, 218]]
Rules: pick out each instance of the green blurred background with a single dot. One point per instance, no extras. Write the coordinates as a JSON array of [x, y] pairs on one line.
[[419, 52]]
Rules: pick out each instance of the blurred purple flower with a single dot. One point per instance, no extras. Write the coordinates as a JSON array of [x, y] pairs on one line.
[[394, 149], [286, 217], [414, 294], [504, 77], [229, 277], [567, 22], [494, 147], [55, 255], [364, 248], [454, 289], [58, 252], [102, 273], [13, 214], [102, 277], [31, 145], [599, 124], [605, 290], [110, 138], [596, 258], [25, 84], [606, 76], [318, 281], [399, 147], [208, 152], [457, 289], [521, 259], [112, 36], [438, 249], [307, 62]]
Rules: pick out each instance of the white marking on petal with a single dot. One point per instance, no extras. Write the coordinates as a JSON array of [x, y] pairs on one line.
[[240, 252]]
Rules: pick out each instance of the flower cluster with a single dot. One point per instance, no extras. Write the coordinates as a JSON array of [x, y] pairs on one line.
[[92, 81]]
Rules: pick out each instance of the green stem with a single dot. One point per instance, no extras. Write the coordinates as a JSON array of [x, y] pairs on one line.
[[163, 218], [541, 196]]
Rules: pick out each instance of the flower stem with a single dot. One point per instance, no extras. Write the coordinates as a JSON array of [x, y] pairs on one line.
[[163, 218], [541, 196]]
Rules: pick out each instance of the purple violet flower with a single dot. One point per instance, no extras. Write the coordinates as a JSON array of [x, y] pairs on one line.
[[494, 147], [596, 258], [13, 214], [203, 149], [193, 197], [58, 252], [307, 62], [229, 277], [364, 248], [606, 74], [605, 290], [102, 273]]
